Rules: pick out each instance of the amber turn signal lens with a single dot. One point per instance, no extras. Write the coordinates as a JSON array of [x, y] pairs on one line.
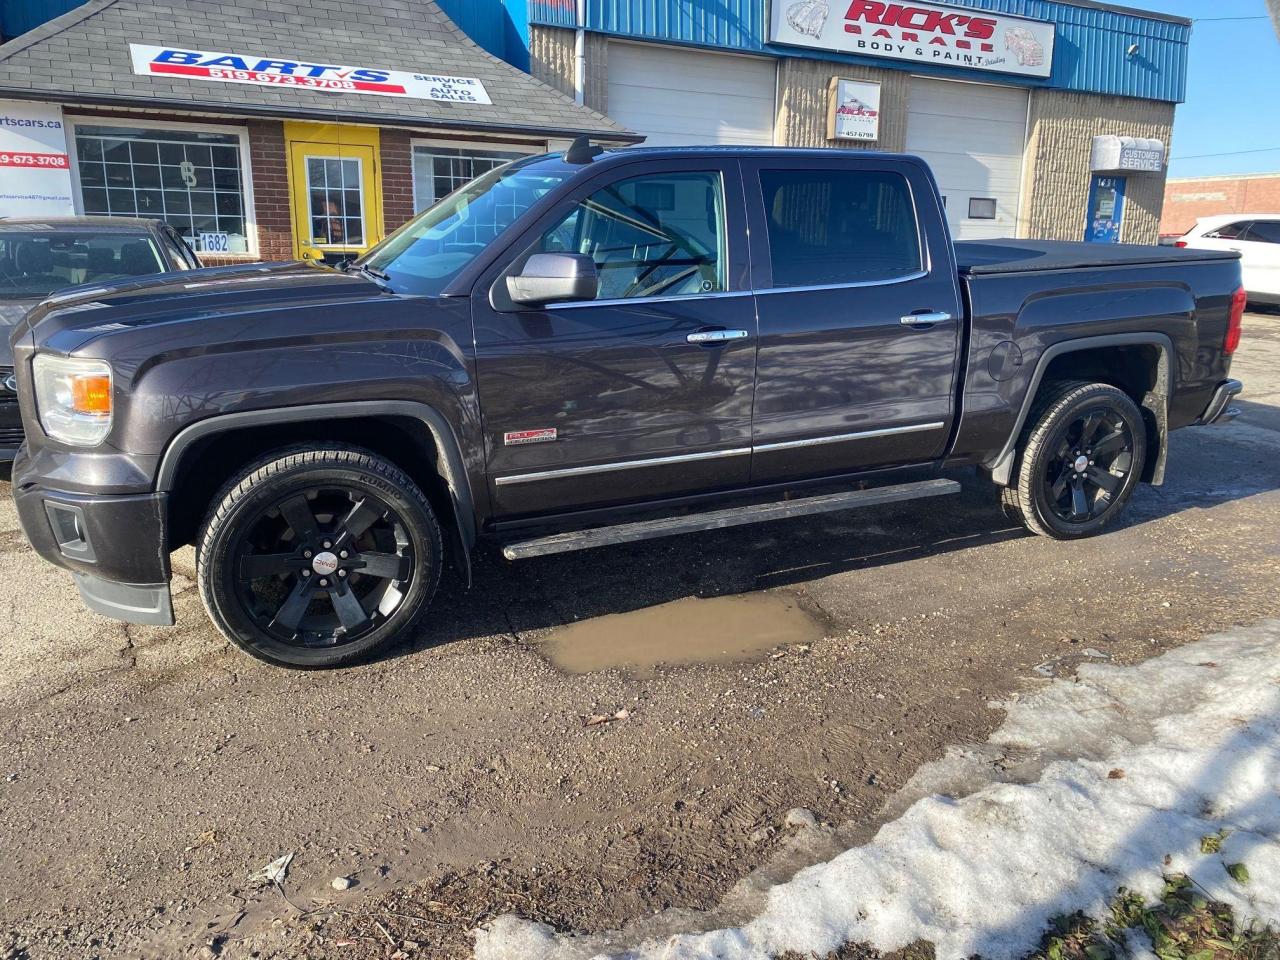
[[91, 394]]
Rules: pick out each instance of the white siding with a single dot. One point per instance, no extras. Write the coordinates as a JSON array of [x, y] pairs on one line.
[[974, 137], [677, 97]]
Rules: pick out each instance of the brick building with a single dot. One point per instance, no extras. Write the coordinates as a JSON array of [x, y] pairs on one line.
[[1043, 118], [1188, 199], [264, 130]]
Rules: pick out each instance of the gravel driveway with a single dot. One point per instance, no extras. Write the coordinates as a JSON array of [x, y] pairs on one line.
[[145, 774]]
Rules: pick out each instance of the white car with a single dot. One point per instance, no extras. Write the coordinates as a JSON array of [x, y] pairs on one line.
[[1257, 238]]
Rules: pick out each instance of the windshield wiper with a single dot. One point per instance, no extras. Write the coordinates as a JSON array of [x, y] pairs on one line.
[[377, 276]]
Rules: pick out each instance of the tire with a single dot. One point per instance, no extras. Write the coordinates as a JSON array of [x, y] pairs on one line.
[[1075, 425], [318, 557]]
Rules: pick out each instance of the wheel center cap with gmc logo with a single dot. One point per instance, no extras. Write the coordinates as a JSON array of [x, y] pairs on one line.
[[324, 563]]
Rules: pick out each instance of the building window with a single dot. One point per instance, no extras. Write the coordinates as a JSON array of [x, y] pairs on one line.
[[982, 208], [192, 179], [333, 191], [438, 171]]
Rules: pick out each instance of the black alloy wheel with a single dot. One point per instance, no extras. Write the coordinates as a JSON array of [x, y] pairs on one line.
[[1080, 459], [315, 558], [1089, 464], [322, 566]]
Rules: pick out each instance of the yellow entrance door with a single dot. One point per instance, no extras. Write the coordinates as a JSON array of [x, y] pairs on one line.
[[335, 190]]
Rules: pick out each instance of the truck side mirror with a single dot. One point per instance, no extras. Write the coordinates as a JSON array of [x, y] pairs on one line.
[[554, 278]]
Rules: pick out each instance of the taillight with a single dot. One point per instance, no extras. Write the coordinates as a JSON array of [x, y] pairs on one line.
[[1179, 243], [1234, 319]]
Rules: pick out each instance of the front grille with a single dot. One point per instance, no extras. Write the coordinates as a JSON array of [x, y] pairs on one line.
[[10, 436]]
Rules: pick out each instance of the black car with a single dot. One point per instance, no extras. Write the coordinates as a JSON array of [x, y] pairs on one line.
[[39, 256], [583, 350]]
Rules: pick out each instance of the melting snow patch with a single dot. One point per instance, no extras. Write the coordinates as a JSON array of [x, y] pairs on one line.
[[1129, 765]]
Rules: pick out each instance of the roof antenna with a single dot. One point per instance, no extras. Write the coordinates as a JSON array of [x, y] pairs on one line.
[[581, 151]]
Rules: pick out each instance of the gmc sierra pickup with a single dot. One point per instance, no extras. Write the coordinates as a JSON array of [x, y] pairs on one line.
[[591, 348]]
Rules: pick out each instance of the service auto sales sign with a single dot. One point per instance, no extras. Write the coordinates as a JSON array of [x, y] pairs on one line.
[[289, 72], [924, 32]]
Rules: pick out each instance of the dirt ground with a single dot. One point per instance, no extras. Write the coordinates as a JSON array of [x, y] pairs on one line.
[[145, 774]]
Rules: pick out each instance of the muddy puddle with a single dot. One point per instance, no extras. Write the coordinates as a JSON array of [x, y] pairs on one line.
[[693, 630]]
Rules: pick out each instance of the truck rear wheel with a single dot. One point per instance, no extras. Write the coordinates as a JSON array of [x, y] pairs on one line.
[[1080, 459], [318, 557]]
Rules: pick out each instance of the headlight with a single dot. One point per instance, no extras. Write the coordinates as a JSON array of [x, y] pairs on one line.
[[73, 398]]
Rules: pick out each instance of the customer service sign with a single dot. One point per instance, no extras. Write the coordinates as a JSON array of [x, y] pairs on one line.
[[921, 32], [35, 170]]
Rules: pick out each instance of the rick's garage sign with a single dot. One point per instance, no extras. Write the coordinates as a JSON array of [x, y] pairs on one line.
[[923, 32], [275, 71]]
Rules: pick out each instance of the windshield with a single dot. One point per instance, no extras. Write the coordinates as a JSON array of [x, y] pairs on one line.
[[433, 248], [33, 265]]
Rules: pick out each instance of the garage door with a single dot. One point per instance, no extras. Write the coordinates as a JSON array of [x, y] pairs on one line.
[[973, 136], [678, 97]]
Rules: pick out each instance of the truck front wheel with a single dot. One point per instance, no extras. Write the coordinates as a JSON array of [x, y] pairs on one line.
[[1080, 459], [318, 557]]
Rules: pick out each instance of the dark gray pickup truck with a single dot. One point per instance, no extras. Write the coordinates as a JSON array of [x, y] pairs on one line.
[[590, 348]]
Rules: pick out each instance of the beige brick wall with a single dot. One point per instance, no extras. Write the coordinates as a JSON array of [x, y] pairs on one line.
[[1055, 177], [551, 60], [802, 104]]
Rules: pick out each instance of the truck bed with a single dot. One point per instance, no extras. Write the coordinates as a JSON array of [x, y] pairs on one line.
[[985, 257]]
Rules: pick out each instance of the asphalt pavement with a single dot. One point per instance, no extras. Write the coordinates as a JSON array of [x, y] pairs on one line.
[[146, 773]]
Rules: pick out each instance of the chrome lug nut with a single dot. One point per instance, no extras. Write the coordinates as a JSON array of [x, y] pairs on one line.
[[306, 554], [342, 554], [324, 583], [327, 544], [342, 573], [306, 573]]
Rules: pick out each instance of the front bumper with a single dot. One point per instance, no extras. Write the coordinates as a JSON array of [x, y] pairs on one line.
[[1220, 409], [10, 425], [114, 546]]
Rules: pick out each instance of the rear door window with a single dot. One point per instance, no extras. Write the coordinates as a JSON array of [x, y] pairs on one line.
[[830, 227], [1231, 231], [1264, 231]]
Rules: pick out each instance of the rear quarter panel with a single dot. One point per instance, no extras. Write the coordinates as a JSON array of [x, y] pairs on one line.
[[1017, 317]]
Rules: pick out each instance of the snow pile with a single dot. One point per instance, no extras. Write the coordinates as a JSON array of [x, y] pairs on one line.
[[1131, 764]]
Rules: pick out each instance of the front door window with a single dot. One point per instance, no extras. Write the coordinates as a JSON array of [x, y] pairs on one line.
[[656, 235], [336, 201]]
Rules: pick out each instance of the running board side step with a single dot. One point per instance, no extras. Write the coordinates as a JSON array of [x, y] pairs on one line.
[[729, 517]]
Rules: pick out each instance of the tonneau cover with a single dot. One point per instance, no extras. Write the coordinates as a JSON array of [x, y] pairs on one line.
[[979, 257]]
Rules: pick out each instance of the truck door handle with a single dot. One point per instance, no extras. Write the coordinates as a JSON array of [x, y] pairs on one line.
[[716, 336], [927, 319]]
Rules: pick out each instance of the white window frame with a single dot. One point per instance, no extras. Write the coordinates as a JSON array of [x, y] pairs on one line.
[[364, 243], [72, 125], [478, 146]]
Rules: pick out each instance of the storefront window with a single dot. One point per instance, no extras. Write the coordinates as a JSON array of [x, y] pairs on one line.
[[333, 190], [438, 171], [193, 180]]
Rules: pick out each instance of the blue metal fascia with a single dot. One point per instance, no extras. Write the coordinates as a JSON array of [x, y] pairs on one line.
[[500, 27], [19, 16], [1090, 55]]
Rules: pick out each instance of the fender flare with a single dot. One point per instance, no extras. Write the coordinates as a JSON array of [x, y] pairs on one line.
[[449, 462], [1156, 402]]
